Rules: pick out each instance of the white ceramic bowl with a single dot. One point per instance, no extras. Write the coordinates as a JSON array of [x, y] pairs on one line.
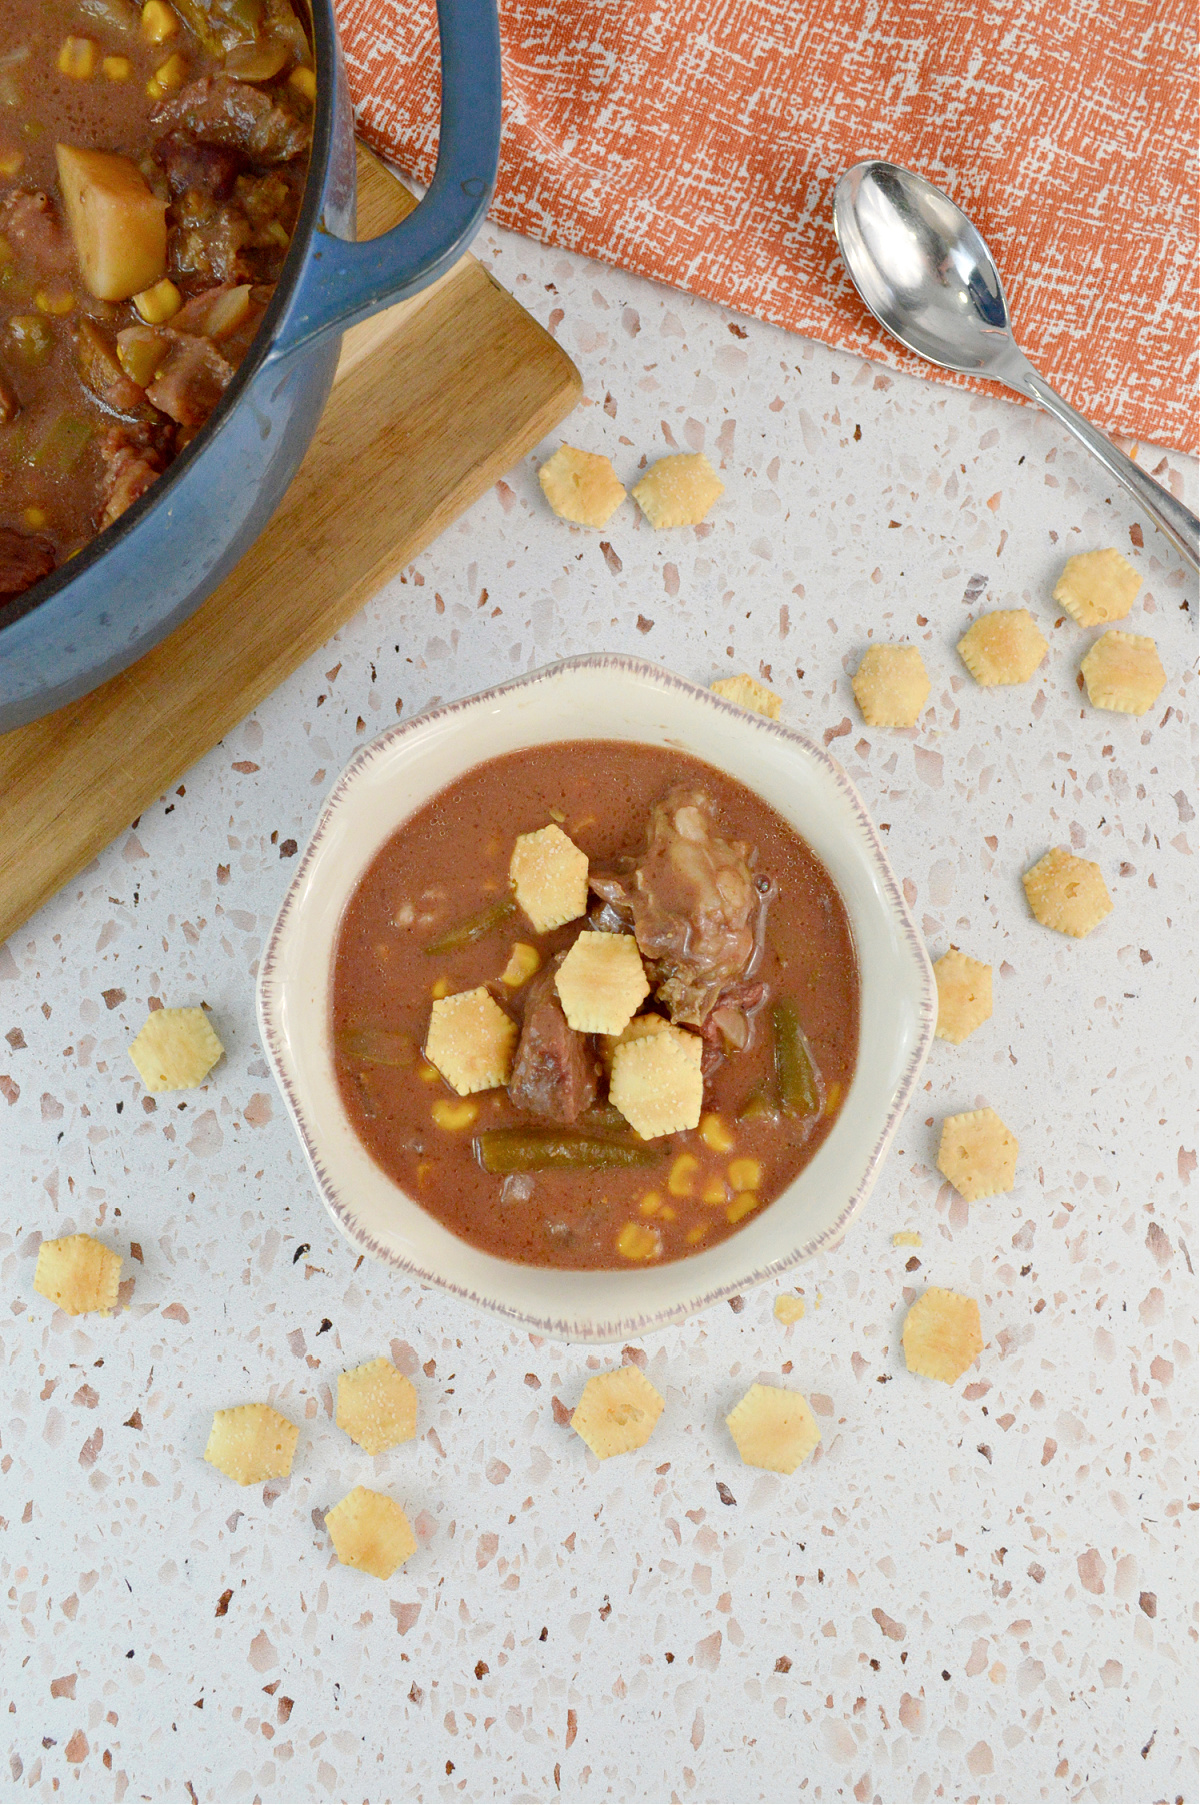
[[612, 698]]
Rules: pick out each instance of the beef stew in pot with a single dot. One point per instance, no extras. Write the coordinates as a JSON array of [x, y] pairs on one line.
[[152, 163]]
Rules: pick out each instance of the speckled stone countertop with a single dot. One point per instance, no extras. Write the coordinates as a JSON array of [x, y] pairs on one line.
[[979, 1591]]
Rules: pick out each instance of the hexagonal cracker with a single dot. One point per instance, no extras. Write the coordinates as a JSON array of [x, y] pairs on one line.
[[78, 1273], [1067, 893], [964, 988], [749, 693], [471, 1041], [581, 486], [978, 1154], [176, 1049], [657, 1083], [601, 982], [1004, 647], [891, 685], [1096, 587], [617, 1412], [941, 1335], [773, 1428], [1124, 672], [252, 1443], [678, 491], [376, 1404], [549, 877], [371, 1532]]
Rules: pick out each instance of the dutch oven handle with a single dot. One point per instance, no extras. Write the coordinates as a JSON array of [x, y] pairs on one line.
[[343, 281]]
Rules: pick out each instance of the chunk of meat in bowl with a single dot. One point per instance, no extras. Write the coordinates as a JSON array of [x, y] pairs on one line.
[[695, 904], [191, 379], [131, 459], [212, 169], [219, 110], [29, 222], [554, 1073], [25, 558]]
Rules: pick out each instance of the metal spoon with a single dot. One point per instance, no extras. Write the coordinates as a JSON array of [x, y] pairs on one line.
[[927, 275]]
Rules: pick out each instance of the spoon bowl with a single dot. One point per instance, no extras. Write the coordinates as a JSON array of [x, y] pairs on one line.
[[926, 273]]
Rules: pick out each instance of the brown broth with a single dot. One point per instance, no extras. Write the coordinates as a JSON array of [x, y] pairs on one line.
[[448, 862]]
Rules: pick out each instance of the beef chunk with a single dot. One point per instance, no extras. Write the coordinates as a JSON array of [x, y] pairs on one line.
[[208, 241], [29, 221], [235, 115], [210, 169], [25, 558], [554, 1073], [191, 379], [133, 457], [696, 907]]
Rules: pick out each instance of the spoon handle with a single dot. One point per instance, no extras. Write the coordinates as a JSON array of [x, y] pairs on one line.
[[1177, 522]]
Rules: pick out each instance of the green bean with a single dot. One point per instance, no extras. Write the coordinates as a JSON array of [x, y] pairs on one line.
[[795, 1072], [377, 1046], [503, 1150], [760, 1105], [475, 927]]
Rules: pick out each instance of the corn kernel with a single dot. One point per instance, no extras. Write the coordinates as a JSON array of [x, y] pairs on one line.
[[54, 301], [116, 68], [454, 1115], [745, 1174], [523, 961], [304, 82], [715, 1193], [637, 1242], [153, 91], [832, 1098], [276, 231], [171, 74], [441, 988], [696, 1234], [667, 1213], [683, 1173], [158, 22], [11, 161], [715, 1134], [651, 1204], [36, 518], [158, 303], [741, 1206], [424, 1168], [428, 1074], [77, 58]]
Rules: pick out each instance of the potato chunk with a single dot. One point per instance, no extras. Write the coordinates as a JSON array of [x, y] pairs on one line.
[[119, 226]]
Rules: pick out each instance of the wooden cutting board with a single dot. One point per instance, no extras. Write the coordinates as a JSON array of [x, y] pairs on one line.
[[432, 402]]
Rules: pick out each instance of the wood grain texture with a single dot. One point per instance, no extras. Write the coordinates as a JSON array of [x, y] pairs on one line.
[[450, 388]]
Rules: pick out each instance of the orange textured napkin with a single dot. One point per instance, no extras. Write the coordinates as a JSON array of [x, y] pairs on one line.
[[699, 145]]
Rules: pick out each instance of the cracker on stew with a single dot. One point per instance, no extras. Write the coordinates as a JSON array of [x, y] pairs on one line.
[[371, 1532], [601, 982], [749, 693], [1096, 587], [581, 486], [617, 1412], [176, 1049], [941, 1335], [471, 1041], [78, 1273], [773, 1428], [1067, 893], [657, 1083], [1124, 672], [678, 491], [549, 877], [252, 1443], [891, 685], [978, 1154]]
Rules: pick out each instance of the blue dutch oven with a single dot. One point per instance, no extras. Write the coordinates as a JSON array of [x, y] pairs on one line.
[[137, 580]]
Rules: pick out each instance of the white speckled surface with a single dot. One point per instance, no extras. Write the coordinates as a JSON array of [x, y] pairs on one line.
[[984, 1591]]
